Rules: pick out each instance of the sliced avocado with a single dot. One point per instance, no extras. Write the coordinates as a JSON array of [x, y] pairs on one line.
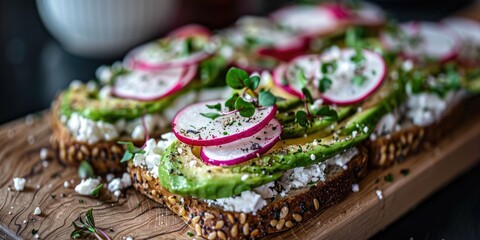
[[183, 173], [293, 130], [200, 180], [110, 109]]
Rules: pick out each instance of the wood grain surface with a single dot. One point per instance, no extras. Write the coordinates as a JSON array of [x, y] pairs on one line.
[[358, 217]]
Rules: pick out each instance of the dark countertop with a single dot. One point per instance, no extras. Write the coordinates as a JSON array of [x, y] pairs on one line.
[[34, 68]]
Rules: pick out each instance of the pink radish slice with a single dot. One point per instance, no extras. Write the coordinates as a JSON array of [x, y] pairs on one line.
[[430, 41], [153, 85], [469, 34], [190, 30], [190, 127], [309, 21], [343, 90], [150, 57], [279, 79], [243, 149]]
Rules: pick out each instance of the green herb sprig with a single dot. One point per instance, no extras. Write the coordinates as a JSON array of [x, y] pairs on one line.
[[85, 170], [130, 152], [245, 102], [84, 227]]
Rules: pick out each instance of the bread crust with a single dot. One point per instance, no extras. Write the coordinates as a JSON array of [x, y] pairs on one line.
[[104, 156], [278, 215]]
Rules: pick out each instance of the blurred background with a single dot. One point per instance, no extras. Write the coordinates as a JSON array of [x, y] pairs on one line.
[[38, 58]]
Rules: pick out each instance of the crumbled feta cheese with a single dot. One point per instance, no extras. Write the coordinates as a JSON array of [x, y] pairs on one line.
[[66, 184], [244, 177], [342, 160], [126, 180], [105, 92], [152, 160], [247, 202], [129, 238], [425, 108], [355, 187], [36, 236], [117, 193], [386, 124], [379, 194], [407, 65], [365, 129], [19, 183], [43, 153], [267, 190], [110, 177], [87, 186], [103, 73], [312, 157], [115, 184], [37, 211], [75, 84], [354, 134], [139, 160], [138, 132], [91, 86]]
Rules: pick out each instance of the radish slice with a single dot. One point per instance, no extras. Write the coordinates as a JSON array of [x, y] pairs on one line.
[[268, 39], [190, 30], [190, 127], [152, 85], [469, 33], [344, 90], [310, 21], [243, 149], [424, 40], [279, 79], [172, 51]]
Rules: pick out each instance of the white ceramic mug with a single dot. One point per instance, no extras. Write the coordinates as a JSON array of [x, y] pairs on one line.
[[104, 28]]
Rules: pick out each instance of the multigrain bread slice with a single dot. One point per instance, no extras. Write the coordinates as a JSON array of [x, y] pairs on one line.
[[278, 215], [104, 156], [397, 146]]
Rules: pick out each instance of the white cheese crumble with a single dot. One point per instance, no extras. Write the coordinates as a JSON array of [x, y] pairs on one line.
[[355, 187], [87, 186], [118, 184], [110, 177], [247, 202], [291, 179], [43, 153], [66, 184], [37, 211], [19, 183], [425, 108], [379, 194], [87, 130]]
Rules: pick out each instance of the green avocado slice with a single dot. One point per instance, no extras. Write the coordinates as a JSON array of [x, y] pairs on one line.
[[183, 173], [211, 182], [111, 109]]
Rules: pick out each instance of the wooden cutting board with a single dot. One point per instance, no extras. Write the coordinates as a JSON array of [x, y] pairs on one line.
[[360, 216]]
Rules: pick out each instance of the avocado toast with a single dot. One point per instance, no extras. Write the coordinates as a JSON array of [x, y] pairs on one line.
[[135, 99], [232, 182], [438, 87], [246, 181]]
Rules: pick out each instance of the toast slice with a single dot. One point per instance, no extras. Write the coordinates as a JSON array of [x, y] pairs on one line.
[[397, 146], [280, 214], [104, 156]]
